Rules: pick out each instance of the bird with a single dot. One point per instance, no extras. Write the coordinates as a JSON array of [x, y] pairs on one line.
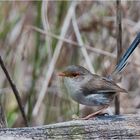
[[95, 90], [89, 89]]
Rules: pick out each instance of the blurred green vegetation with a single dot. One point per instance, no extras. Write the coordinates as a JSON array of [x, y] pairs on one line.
[[27, 54]]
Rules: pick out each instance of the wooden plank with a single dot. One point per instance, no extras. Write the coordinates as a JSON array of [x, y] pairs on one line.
[[102, 127]]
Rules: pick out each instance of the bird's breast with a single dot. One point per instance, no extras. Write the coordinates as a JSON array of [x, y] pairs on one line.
[[71, 86]]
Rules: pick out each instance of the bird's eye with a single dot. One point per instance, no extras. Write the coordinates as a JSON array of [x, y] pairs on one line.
[[75, 74]]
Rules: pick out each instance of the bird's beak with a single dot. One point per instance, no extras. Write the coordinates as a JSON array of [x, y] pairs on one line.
[[61, 74]]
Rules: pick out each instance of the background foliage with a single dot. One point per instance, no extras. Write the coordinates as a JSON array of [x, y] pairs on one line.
[[30, 54]]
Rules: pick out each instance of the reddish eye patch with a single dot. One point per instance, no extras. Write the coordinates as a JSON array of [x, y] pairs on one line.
[[66, 74], [74, 74]]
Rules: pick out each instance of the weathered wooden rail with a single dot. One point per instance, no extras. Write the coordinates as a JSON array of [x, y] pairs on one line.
[[102, 127]]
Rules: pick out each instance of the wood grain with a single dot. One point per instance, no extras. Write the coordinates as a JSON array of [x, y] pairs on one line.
[[102, 127]]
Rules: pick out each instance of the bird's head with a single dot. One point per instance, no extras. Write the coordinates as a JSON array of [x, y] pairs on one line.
[[74, 77], [74, 71]]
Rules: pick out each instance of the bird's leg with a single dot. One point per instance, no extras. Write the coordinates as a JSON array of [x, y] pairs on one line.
[[95, 113]]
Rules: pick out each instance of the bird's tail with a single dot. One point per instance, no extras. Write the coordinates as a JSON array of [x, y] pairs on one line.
[[123, 61]]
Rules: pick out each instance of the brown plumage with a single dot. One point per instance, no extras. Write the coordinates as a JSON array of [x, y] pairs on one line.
[[89, 89]]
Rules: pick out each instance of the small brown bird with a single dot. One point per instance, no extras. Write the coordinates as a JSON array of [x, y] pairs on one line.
[[89, 89], [93, 90]]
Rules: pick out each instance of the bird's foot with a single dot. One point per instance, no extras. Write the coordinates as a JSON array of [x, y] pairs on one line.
[[90, 116], [75, 117], [95, 114]]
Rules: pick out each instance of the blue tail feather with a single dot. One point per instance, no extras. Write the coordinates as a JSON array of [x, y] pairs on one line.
[[128, 52]]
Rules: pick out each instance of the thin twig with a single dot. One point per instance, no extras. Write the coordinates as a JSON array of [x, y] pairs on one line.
[[90, 48], [54, 58], [80, 41], [119, 48], [16, 93]]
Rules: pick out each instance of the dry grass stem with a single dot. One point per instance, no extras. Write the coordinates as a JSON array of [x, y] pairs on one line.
[[46, 27], [54, 58], [80, 41], [90, 48]]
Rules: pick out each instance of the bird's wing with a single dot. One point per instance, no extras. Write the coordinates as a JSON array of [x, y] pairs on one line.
[[101, 85]]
